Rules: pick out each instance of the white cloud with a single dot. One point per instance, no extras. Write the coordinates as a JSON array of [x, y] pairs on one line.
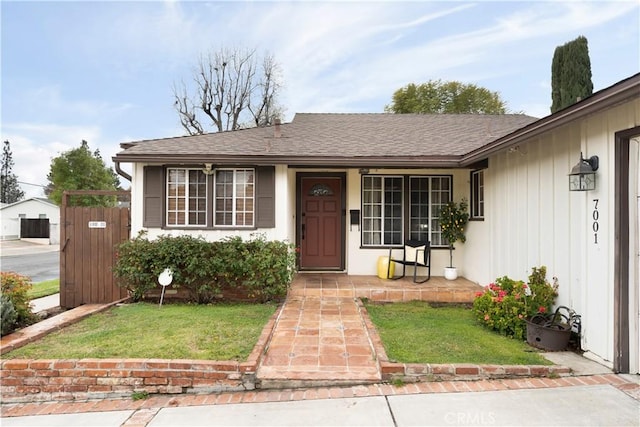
[[48, 103]]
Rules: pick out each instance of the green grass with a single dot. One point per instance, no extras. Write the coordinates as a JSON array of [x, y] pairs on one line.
[[414, 332], [44, 289], [174, 331]]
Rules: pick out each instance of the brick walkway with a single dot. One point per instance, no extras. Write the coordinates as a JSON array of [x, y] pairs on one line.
[[318, 339]]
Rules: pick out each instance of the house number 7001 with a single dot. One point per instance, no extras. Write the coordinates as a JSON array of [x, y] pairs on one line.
[[596, 216]]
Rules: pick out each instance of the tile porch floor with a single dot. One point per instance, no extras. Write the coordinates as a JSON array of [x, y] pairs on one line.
[[320, 335]]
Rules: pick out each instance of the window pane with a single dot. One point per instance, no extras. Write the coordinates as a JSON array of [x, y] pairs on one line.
[[428, 194], [234, 193], [186, 197], [382, 209]]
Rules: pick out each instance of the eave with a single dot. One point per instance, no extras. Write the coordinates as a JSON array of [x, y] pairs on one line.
[[298, 161], [606, 98]]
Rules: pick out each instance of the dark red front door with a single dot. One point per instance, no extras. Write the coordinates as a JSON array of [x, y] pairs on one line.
[[320, 223]]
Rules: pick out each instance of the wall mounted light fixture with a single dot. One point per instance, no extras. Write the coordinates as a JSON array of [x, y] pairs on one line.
[[208, 169], [583, 175]]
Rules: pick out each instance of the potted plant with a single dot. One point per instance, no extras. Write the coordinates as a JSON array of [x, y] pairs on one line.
[[453, 220]]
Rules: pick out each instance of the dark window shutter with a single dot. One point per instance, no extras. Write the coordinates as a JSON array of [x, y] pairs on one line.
[[153, 185], [265, 197]]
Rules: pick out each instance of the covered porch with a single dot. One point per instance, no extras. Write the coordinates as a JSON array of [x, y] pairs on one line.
[[341, 285]]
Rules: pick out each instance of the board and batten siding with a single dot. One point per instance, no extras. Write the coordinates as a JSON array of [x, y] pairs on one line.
[[532, 219]]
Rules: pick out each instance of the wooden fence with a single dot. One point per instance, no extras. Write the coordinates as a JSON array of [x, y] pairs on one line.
[[88, 240]]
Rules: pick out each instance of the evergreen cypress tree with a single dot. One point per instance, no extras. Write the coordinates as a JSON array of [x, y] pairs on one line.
[[570, 74], [10, 191]]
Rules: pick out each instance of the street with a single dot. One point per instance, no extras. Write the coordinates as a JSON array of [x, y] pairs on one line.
[[38, 266]]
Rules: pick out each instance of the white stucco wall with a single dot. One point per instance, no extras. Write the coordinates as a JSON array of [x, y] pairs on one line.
[[532, 219]]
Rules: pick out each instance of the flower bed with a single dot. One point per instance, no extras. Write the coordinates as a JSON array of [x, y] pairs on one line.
[[505, 305]]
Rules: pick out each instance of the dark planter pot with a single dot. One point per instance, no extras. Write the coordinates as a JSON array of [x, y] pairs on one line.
[[545, 336]]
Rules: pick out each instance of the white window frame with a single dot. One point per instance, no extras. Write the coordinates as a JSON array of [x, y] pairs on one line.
[[186, 197], [477, 194], [378, 238], [430, 225], [235, 198]]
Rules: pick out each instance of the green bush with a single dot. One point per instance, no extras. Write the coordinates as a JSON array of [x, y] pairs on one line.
[[263, 269], [15, 288], [137, 266], [8, 315], [271, 265], [505, 305]]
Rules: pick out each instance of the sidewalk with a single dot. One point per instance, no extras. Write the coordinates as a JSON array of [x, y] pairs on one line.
[[45, 303], [595, 400]]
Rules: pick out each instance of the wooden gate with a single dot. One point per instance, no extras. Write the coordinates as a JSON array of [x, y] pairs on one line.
[[88, 238], [34, 228]]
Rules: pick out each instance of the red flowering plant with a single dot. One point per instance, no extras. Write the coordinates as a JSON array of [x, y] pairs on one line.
[[505, 305]]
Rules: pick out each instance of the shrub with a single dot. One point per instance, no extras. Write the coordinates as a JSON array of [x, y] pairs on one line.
[[15, 288], [137, 266], [189, 258], [506, 304], [8, 315], [271, 265], [262, 269]]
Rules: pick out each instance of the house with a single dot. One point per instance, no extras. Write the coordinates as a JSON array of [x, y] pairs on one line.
[[346, 187], [31, 218]]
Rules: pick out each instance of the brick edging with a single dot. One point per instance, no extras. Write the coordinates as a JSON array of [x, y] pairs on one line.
[[416, 372]]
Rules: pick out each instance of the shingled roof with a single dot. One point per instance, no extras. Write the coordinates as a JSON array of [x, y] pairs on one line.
[[401, 140]]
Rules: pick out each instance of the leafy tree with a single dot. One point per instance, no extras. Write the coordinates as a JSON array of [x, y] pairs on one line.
[[10, 191], [570, 74], [80, 169], [232, 89], [451, 97]]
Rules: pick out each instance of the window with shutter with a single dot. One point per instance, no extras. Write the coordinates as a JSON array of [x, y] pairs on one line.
[[242, 197]]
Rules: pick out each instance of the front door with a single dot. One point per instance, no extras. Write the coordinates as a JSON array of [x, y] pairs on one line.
[[320, 222]]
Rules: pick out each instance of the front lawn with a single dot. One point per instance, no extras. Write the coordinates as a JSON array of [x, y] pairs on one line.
[[415, 332], [44, 289], [142, 330]]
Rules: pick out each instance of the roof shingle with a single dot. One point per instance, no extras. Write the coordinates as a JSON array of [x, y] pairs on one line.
[[341, 137]]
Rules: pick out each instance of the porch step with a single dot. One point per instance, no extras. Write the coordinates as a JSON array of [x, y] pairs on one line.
[[333, 285], [283, 384]]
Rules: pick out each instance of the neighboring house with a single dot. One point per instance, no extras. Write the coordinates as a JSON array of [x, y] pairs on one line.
[[30, 218], [346, 187]]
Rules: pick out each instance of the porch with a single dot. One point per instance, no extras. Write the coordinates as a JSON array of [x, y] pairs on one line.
[[341, 285]]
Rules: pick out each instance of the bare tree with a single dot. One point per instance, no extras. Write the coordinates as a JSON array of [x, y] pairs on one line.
[[231, 90]]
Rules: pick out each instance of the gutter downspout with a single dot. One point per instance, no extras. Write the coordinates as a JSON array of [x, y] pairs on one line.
[[121, 172]]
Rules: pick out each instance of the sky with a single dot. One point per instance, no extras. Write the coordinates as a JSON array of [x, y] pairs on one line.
[[105, 71]]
